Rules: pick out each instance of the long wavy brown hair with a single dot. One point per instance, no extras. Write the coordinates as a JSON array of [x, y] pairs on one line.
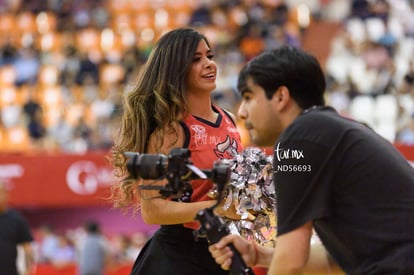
[[153, 107]]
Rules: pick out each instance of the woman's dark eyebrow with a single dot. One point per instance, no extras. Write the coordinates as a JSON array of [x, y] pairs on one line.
[[200, 53]]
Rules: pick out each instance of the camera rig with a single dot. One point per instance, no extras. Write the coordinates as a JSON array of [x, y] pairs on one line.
[[178, 169]]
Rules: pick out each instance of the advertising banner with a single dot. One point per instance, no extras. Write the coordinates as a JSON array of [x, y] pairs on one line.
[[54, 180]]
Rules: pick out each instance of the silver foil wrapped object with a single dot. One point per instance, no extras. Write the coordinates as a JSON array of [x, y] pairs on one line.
[[252, 194]]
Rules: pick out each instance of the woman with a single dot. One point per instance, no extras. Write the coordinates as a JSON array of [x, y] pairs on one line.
[[171, 107]]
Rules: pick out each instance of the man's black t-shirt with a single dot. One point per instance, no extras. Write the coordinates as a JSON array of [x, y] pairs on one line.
[[14, 230], [354, 185]]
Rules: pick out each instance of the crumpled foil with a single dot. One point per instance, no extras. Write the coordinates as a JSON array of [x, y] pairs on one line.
[[252, 193]]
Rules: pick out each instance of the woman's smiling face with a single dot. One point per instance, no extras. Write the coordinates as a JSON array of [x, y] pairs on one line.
[[203, 71]]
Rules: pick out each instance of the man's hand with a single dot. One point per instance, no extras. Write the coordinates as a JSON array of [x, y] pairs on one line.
[[222, 253]]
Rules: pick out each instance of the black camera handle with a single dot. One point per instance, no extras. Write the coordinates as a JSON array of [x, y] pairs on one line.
[[214, 228]]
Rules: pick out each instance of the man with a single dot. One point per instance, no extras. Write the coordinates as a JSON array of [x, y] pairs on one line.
[[94, 252], [332, 174], [14, 232]]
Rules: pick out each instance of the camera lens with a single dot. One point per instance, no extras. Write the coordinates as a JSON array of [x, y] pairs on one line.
[[147, 166]]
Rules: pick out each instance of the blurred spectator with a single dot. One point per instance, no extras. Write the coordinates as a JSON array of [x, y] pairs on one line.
[[78, 144], [70, 65], [408, 80], [125, 248], [27, 66], [94, 254], [201, 15], [8, 53], [31, 106], [87, 69], [99, 15], [360, 9], [102, 106], [406, 134], [337, 96], [63, 10], [37, 130], [352, 89], [65, 253], [14, 233], [102, 135], [48, 243], [253, 42], [11, 114], [90, 89], [82, 129], [131, 61], [119, 247], [137, 242], [380, 9], [275, 37], [405, 127], [280, 14], [81, 14], [60, 134], [81, 137]]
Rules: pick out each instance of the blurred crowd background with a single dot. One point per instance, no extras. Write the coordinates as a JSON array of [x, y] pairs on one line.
[[59, 253], [65, 65]]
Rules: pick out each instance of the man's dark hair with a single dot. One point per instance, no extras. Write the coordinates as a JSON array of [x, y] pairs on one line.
[[92, 227], [287, 66]]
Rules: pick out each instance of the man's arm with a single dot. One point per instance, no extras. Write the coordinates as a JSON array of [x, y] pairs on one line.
[[29, 260], [292, 251], [295, 255]]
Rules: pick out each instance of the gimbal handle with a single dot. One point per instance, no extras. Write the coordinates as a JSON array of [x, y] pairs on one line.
[[214, 228]]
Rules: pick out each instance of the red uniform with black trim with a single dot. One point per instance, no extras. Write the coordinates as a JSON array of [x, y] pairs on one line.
[[208, 142]]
